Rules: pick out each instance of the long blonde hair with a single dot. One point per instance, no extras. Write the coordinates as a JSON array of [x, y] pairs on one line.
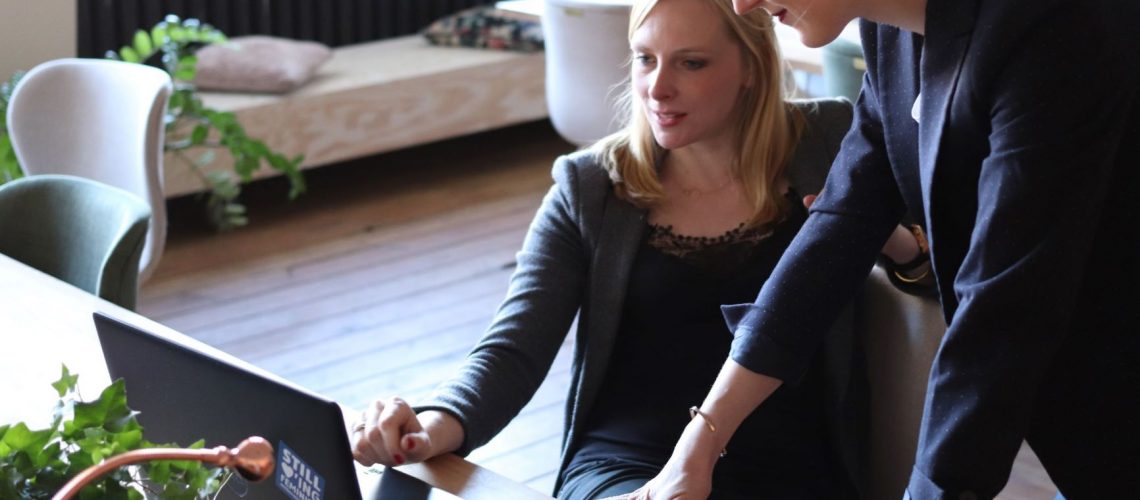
[[767, 131]]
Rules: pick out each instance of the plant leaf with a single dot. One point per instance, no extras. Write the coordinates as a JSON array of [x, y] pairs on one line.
[[129, 55], [66, 382], [158, 35], [143, 45]]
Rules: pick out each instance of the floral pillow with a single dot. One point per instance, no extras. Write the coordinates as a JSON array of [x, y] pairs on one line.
[[485, 28]]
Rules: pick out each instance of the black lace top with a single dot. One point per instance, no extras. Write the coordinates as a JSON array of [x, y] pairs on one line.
[[671, 345]]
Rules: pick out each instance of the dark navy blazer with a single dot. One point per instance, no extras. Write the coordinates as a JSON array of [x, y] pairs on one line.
[[1025, 158]]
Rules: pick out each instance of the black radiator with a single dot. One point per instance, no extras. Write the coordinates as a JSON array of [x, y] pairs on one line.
[[109, 24]]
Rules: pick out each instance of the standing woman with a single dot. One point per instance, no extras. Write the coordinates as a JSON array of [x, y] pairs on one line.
[[1015, 126], [644, 236]]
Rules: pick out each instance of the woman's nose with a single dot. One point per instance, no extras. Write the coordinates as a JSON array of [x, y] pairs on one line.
[[660, 86]]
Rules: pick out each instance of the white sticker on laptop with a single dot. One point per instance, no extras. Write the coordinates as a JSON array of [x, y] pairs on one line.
[[295, 477]]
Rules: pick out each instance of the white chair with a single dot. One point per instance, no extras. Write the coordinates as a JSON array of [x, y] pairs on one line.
[[98, 119], [587, 55]]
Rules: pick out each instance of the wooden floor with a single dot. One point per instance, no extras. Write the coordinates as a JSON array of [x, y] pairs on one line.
[[380, 280]]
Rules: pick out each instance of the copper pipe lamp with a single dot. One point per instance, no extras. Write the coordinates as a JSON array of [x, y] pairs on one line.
[[253, 459]]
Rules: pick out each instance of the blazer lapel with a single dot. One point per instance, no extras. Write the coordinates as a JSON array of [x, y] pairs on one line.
[[947, 39], [619, 238]]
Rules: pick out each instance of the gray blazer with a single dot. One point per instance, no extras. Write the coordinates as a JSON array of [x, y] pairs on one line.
[[576, 259]]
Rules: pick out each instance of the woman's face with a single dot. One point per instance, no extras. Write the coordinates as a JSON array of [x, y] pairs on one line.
[[818, 21], [688, 74]]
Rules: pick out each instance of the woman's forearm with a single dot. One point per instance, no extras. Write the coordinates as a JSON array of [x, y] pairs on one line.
[[735, 394]]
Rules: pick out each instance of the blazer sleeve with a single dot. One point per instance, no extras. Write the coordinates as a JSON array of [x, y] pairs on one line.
[[505, 368], [828, 260], [1057, 126]]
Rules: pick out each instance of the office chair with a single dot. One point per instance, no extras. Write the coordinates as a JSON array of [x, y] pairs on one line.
[[587, 52], [83, 232], [98, 119], [902, 333]]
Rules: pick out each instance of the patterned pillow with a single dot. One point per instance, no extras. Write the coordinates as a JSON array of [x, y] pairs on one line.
[[485, 28], [259, 64]]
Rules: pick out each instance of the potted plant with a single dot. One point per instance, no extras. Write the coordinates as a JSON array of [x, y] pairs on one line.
[[34, 464]]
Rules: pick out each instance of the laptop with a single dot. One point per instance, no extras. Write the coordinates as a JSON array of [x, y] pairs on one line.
[[185, 391]]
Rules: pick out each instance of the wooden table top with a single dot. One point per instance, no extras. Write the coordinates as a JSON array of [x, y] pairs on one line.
[[45, 323]]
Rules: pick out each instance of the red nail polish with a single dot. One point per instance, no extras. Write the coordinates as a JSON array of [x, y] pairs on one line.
[[399, 459], [410, 443]]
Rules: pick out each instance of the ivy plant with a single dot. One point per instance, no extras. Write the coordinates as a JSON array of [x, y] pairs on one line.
[[34, 464], [195, 132]]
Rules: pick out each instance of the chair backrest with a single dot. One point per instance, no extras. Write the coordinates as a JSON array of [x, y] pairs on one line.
[[902, 335], [83, 232], [587, 52], [98, 119]]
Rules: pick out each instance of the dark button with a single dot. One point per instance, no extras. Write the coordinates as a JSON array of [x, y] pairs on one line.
[[968, 495]]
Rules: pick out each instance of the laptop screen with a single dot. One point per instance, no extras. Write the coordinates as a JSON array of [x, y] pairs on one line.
[[186, 393]]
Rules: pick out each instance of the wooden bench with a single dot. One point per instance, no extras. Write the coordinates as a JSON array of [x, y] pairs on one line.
[[381, 96]]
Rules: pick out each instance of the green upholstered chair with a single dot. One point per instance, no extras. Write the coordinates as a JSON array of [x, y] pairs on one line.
[[83, 232], [843, 68]]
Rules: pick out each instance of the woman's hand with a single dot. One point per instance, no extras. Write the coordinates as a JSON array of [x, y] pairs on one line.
[[688, 473], [392, 434]]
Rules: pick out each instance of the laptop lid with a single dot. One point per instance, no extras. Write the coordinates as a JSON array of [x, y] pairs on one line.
[[187, 392]]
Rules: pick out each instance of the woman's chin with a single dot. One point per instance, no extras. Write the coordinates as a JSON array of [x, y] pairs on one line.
[[669, 141]]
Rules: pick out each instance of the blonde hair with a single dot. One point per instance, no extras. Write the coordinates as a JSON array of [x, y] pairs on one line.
[[767, 131]]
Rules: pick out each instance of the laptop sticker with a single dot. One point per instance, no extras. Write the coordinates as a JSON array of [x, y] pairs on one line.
[[295, 477]]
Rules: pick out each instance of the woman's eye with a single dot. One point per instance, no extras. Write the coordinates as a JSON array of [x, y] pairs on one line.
[[694, 64], [642, 59]]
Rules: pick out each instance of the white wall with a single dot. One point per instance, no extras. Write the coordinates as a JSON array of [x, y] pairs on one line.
[[34, 31]]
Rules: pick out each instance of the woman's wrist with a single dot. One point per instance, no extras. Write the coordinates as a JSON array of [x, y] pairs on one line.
[[700, 448], [444, 430], [906, 245]]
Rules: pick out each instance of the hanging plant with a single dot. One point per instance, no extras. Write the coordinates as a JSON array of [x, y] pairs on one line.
[[195, 133]]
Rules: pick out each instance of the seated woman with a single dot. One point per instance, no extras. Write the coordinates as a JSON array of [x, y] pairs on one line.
[[644, 236]]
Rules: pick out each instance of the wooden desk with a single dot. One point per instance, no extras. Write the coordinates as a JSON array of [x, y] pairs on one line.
[[45, 322]]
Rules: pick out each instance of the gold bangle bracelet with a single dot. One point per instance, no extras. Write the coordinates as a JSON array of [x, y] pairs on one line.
[[694, 411], [916, 279]]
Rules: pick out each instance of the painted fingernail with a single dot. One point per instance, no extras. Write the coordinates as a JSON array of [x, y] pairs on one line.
[[409, 443], [398, 458]]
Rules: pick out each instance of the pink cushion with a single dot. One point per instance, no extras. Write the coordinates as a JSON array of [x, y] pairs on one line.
[[259, 64]]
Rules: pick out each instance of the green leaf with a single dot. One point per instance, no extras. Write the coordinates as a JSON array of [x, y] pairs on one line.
[[158, 35], [20, 438], [66, 382], [198, 136], [143, 45], [186, 68], [177, 33], [128, 440], [129, 55], [112, 404]]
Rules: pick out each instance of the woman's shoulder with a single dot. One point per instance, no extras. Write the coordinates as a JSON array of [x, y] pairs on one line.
[[826, 121], [581, 174]]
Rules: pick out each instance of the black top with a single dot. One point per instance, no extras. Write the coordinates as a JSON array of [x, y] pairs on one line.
[[672, 344]]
